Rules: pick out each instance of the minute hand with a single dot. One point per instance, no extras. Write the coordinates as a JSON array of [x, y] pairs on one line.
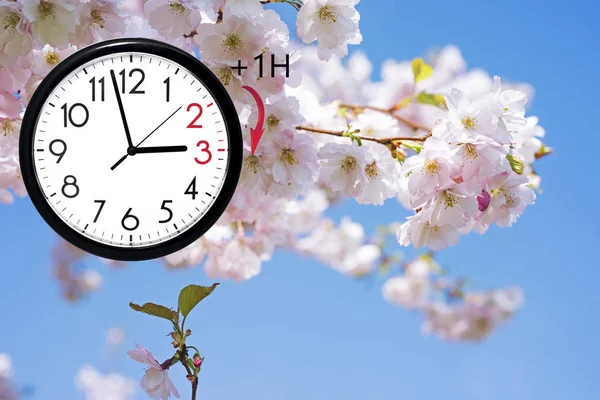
[[160, 149], [120, 102]]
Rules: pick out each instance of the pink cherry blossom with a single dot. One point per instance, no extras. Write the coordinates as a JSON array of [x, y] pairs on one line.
[[334, 23], [99, 20], [234, 39], [15, 39], [52, 21], [156, 382]]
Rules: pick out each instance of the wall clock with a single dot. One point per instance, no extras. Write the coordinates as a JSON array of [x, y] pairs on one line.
[[131, 149]]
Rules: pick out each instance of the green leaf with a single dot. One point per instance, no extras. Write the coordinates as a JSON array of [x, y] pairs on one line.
[[157, 311], [421, 70], [436, 100], [191, 295], [515, 163], [543, 151], [190, 364], [410, 144], [404, 102]]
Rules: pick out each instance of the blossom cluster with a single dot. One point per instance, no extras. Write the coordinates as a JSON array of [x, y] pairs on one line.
[[98, 386], [449, 312], [450, 145], [7, 389]]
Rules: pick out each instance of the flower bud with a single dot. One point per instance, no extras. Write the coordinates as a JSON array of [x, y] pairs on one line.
[[197, 361], [188, 332], [483, 201]]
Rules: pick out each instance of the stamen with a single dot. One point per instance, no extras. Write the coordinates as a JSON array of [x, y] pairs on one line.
[[273, 122], [11, 21], [52, 58], [348, 164], [46, 10], [176, 7], [371, 170], [327, 15], [97, 19], [469, 122], [252, 163], [288, 156], [232, 43], [431, 167]]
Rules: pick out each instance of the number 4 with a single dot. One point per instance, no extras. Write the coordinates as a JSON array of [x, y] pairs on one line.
[[191, 189]]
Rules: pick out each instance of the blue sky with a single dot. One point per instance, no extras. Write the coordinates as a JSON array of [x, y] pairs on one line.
[[301, 331]]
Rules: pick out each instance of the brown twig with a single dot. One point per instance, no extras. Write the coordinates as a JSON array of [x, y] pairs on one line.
[[191, 377], [389, 112], [384, 141]]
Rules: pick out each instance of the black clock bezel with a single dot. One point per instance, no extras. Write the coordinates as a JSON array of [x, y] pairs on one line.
[[80, 58]]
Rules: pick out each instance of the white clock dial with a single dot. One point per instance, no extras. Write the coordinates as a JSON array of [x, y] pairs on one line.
[[130, 149]]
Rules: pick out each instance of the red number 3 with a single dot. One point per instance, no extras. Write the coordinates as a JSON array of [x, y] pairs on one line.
[[203, 144], [193, 123]]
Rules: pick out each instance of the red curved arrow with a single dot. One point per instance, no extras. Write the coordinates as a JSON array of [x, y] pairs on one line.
[[256, 133]]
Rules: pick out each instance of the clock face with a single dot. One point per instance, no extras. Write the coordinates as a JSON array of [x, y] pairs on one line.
[[131, 150]]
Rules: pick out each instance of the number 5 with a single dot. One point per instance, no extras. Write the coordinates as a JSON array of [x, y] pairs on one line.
[[203, 144]]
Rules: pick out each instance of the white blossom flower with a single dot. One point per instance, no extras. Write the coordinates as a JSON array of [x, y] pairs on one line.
[[46, 59], [528, 141], [196, 252], [342, 247], [114, 337], [242, 8], [359, 262], [420, 232], [406, 291], [172, 18], [234, 39], [471, 118], [156, 382], [97, 386], [7, 389], [453, 207], [281, 114], [510, 195], [99, 20], [294, 163], [334, 23], [6, 370], [475, 317], [430, 171], [256, 173], [15, 39], [14, 76], [304, 214], [381, 176], [375, 124], [52, 21], [509, 105], [343, 167], [481, 158], [237, 261]]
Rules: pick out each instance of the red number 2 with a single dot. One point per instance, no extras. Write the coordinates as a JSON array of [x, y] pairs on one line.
[[193, 123], [204, 147]]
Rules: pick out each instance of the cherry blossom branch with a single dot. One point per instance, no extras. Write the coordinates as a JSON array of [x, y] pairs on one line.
[[384, 141], [297, 4], [390, 112], [190, 375]]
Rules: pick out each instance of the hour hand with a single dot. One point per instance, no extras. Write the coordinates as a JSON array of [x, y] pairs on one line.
[[160, 149]]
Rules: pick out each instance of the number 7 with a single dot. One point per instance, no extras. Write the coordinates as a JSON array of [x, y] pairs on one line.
[[99, 209]]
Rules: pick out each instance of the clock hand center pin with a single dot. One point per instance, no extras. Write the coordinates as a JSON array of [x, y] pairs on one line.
[[133, 150]]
